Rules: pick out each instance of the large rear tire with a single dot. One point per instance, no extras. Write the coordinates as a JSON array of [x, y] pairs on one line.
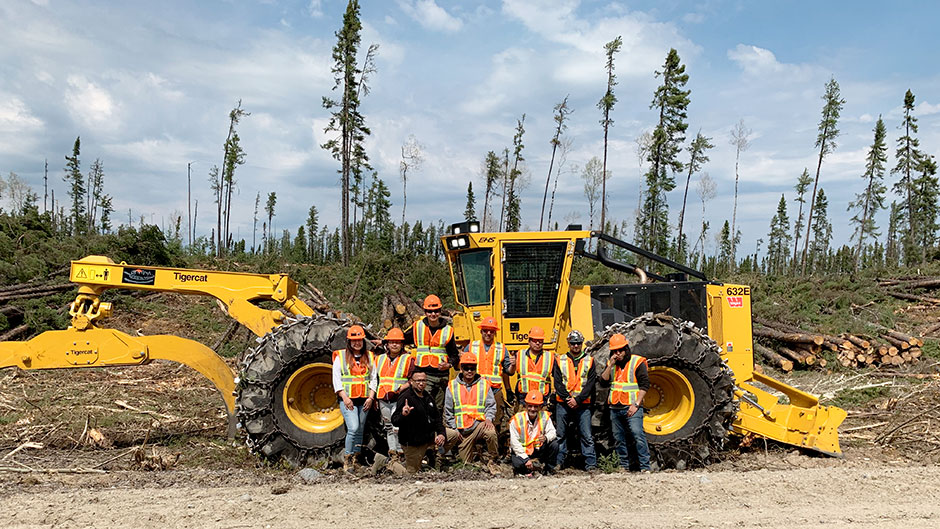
[[285, 401], [690, 405]]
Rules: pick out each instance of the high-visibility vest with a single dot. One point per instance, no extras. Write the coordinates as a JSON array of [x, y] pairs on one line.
[[392, 373], [469, 403], [521, 424], [623, 388], [572, 377], [354, 377], [534, 375], [430, 350], [489, 363]]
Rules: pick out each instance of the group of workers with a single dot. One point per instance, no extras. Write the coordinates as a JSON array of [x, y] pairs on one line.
[[424, 414]]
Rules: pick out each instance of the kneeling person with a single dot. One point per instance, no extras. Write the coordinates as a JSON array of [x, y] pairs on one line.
[[532, 437], [469, 409]]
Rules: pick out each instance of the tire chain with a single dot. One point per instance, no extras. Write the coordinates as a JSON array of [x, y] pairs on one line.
[[256, 443], [686, 446]]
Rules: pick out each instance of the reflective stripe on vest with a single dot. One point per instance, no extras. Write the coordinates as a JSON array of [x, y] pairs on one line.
[[572, 378], [623, 388], [391, 373], [469, 403], [534, 375], [356, 385], [521, 423], [489, 363], [430, 349]]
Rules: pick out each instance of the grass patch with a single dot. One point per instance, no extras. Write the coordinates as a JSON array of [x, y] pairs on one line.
[[609, 463], [858, 397]]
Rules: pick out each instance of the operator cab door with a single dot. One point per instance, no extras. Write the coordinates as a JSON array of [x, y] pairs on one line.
[[533, 288]]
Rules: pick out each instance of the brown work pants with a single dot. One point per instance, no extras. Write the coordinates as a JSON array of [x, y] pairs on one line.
[[414, 455], [479, 434]]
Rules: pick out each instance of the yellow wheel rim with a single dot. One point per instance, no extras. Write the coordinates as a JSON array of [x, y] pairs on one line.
[[669, 401], [309, 400]]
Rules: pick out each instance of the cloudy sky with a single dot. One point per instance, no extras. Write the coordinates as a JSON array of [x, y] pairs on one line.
[[148, 87]]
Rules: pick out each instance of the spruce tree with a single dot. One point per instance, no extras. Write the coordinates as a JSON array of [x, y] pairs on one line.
[[469, 212], [269, 209], [605, 105], [822, 233], [698, 157], [802, 185], [671, 101], [778, 245], [872, 199], [76, 187], [561, 113], [908, 157], [825, 140], [513, 208], [925, 197], [491, 175]]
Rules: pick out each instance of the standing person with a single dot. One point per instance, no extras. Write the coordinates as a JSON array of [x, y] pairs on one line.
[[575, 379], [532, 437], [392, 369], [469, 409], [493, 363], [354, 381], [419, 422], [628, 378], [534, 368], [435, 350]]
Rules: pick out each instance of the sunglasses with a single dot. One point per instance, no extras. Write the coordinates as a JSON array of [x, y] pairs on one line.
[[468, 367], [432, 311]]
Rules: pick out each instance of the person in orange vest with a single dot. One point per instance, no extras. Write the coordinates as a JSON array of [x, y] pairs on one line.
[[532, 437], [469, 409], [575, 379], [495, 365], [628, 378], [435, 349], [534, 368], [392, 369], [354, 381]]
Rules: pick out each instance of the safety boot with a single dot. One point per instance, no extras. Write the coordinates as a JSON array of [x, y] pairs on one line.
[[395, 463]]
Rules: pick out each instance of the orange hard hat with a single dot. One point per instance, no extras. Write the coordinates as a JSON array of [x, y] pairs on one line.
[[395, 334], [537, 333], [534, 397], [489, 322], [432, 302], [468, 358], [618, 341], [356, 332]]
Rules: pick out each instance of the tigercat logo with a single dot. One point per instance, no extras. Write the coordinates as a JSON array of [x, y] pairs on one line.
[[186, 278], [78, 352], [735, 302]]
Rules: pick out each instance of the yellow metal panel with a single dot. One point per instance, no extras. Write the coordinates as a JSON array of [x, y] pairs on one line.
[[729, 324]]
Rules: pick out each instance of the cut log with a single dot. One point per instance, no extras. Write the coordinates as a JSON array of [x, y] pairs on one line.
[[912, 297], [912, 341], [773, 358], [931, 329], [859, 342], [900, 344], [14, 332], [767, 332]]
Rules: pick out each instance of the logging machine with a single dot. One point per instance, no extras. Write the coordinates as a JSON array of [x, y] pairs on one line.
[[695, 333]]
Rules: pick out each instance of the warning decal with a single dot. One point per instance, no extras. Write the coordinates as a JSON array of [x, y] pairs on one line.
[[735, 302]]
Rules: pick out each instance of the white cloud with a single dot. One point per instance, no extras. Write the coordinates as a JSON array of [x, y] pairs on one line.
[[926, 109], [762, 63], [430, 15], [693, 18], [89, 103], [152, 152], [16, 116], [865, 118], [315, 8]]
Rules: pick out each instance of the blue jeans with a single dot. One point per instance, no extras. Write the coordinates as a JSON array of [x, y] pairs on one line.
[[580, 416], [355, 425], [623, 425]]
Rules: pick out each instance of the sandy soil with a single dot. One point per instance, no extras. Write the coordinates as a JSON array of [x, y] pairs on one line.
[[830, 494]]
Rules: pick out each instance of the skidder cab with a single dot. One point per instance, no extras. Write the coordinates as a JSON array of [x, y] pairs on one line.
[[695, 333]]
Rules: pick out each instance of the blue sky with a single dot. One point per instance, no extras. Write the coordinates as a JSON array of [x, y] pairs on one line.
[[148, 86]]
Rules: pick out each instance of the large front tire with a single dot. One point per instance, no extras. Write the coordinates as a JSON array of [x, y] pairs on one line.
[[690, 403], [285, 401]]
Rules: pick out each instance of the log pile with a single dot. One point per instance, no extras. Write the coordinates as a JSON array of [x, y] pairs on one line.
[[398, 310], [804, 348], [17, 328]]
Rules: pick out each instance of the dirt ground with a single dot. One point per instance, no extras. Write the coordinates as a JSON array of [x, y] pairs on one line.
[[792, 491]]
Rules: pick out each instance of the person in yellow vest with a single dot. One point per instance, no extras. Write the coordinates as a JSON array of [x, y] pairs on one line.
[[435, 349], [575, 379], [392, 369], [354, 381], [494, 363], [628, 378], [534, 368], [532, 437], [469, 409]]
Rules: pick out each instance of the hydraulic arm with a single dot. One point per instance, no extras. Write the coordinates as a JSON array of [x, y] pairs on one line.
[[86, 344]]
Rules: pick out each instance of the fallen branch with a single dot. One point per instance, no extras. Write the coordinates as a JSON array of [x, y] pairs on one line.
[[77, 470]]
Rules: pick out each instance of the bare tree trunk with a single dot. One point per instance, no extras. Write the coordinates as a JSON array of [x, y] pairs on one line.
[[812, 203]]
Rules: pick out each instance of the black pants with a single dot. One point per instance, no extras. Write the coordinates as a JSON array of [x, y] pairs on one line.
[[546, 455]]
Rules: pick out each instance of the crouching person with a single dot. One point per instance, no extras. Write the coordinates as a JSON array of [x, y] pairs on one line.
[[532, 437], [469, 409], [419, 423]]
